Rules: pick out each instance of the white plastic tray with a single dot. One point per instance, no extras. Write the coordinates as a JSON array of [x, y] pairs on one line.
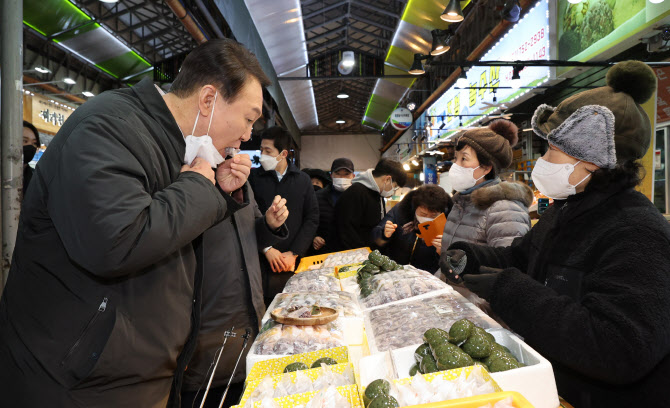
[[535, 381]]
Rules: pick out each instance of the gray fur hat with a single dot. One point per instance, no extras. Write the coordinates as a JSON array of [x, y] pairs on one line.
[[606, 125]]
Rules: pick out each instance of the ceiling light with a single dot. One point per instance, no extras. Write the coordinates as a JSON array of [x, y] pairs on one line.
[[441, 40], [411, 106], [342, 94], [109, 1], [414, 162], [340, 121], [579, 1], [42, 70], [511, 11], [88, 94], [417, 66], [348, 59], [453, 13], [406, 167], [515, 83], [422, 176], [69, 81], [462, 81], [656, 1]]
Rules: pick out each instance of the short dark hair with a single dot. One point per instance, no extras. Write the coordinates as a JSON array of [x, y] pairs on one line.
[[483, 161], [627, 174], [388, 167], [280, 137], [34, 129], [433, 197], [221, 62]]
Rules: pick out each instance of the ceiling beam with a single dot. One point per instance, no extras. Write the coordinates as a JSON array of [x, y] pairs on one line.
[[140, 24], [375, 8], [124, 11], [325, 23], [375, 36], [326, 34], [326, 44], [323, 10], [372, 23]]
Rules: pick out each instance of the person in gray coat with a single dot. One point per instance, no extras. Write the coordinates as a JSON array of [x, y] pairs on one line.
[[486, 210], [232, 298]]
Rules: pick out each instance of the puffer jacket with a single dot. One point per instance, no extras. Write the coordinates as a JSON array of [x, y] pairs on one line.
[[492, 215]]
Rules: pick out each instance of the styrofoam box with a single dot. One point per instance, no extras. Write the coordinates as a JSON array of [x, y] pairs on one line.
[[535, 381], [353, 327], [376, 366]]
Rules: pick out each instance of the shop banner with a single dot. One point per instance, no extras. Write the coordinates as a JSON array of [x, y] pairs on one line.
[[647, 186], [48, 116], [663, 98], [430, 170], [589, 28], [527, 40]]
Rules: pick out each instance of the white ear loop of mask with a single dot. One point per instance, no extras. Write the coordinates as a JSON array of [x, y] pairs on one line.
[[211, 116]]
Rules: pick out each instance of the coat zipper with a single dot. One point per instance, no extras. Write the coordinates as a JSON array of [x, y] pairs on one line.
[[101, 309]]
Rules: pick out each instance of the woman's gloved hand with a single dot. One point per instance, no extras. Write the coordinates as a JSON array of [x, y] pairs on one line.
[[455, 261], [482, 283]]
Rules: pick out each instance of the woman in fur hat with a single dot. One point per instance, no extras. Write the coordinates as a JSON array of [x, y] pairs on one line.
[[486, 211], [589, 286]]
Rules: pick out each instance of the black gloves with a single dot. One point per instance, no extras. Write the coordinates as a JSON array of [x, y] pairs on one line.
[[482, 284], [453, 263]]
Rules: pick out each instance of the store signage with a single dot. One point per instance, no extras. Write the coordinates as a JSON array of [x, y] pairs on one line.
[[663, 97], [47, 115], [527, 40], [401, 118], [591, 27]]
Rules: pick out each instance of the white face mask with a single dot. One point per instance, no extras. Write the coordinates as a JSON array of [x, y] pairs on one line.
[[268, 162], [387, 193], [341, 184], [202, 146], [552, 179], [423, 219], [462, 178]]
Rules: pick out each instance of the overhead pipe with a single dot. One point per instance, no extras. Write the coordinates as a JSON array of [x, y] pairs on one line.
[[52, 89], [209, 18], [497, 31], [186, 20]]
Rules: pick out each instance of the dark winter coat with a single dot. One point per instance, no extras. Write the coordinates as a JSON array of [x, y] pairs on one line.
[[405, 246], [589, 288], [103, 293], [303, 219], [327, 198], [232, 292], [357, 212]]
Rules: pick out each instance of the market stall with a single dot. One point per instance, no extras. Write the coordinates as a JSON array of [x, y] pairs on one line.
[[398, 337]]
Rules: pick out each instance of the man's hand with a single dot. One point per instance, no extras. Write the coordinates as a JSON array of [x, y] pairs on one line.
[[233, 173], [389, 229], [318, 243], [276, 260], [289, 260], [277, 214], [482, 284], [200, 166], [437, 243]]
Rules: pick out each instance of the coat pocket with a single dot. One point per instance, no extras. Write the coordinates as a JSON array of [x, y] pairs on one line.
[[565, 280], [82, 356]]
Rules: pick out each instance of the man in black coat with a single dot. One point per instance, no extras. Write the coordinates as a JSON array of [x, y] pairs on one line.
[[279, 177], [589, 285], [231, 299], [362, 206], [341, 173], [102, 304]]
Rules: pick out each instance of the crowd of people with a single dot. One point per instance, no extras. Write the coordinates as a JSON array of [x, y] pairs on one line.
[[139, 245]]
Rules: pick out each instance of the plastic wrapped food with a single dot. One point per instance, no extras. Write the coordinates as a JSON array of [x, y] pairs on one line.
[[328, 398], [398, 325], [401, 284], [346, 258], [311, 281], [504, 403], [343, 302], [288, 339], [420, 391]]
